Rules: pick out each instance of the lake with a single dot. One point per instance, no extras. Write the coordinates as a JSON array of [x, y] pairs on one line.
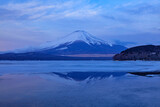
[[79, 84]]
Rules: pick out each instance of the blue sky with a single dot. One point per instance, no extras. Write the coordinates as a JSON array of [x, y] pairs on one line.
[[32, 22]]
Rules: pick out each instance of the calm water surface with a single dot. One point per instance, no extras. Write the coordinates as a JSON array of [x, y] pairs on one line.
[[78, 84]]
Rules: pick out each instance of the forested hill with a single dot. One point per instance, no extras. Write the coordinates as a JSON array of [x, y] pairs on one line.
[[146, 52]]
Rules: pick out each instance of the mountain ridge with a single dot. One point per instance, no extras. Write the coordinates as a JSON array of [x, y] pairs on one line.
[[78, 35], [73, 45]]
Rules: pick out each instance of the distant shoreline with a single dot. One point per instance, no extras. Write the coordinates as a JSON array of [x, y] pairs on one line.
[[59, 59]]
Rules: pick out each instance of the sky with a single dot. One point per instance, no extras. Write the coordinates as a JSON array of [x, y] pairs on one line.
[[130, 23]]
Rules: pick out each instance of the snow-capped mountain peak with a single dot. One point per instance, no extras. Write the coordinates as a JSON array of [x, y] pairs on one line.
[[77, 42], [83, 36], [78, 35]]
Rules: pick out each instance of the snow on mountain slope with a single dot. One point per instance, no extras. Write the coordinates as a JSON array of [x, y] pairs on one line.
[[77, 42], [78, 35]]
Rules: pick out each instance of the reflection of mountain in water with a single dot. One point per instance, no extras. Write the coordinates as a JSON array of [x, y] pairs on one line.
[[80, 76]]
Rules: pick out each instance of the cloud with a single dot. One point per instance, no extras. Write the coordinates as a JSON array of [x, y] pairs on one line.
[[109, 17], [140, 9], [133, 17], [38, 10], [158, 28], [124, 43]]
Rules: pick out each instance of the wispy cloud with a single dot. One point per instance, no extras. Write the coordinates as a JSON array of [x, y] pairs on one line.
[[141, 8], [38, 10]]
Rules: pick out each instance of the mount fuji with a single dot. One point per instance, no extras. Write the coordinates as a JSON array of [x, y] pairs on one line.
[[77, 44]]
